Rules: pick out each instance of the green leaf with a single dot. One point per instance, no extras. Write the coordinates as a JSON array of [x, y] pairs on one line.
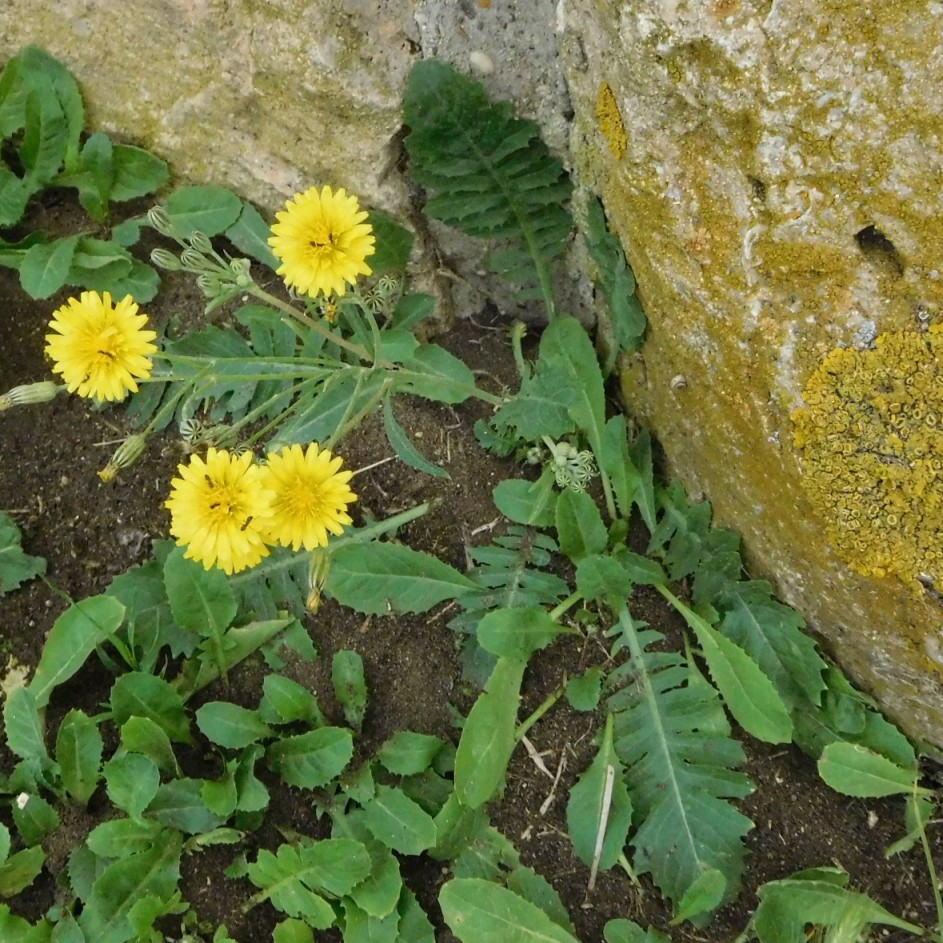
[[788, 906], [4, 843], [136, 173], [312, 759], [45, 266], [856, 771], [567, 346], [403, 446], [16, 567], [143, 735], [487, 740], [24, 727], [137, 694], [626, 931], [119, 838], [35, 819], [399, 822], [290, 701], [79, 748], [527, 502], [379, 893], [518, 632], [479, 911], [414, 925], [209, 210], [179, 804], [489, 174], [154, 872], [407, 753], [583, 692], [703, 896], [20, 870], [435, 374], [616, 461], [292, 931], [231, 726], [250, 234], [73, 637], [599, 802], [350, 686], [602, 577], [362, 927], [580, 527], [132, 781], [394, 243], [641, 453], [747, 691], [382, 578]]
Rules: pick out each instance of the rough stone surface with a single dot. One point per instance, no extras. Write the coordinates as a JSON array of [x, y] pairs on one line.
[[273, 97], [778, 192]]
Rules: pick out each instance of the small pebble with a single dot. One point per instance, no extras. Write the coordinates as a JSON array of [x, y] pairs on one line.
[[481, 62]]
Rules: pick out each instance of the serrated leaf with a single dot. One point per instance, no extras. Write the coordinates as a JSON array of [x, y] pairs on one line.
[[399, 822], [703, 896], [16, 567], [407, 753], [379, 893], [531, 503], [747, 691], [23, 726], [118, 838], [313, 759], [45, 266], [250, 234], [290, 701], [20, 870], [179, 804], [350, 686], [79, 747], [856, 771], [479, 911], [231, 726], [517, 632], [156, 871], [362, 927], [34, 819], [404, 448], [137, 694], [132, 781], [143, 735], [580, 527], [137, 172], [382, 578], [488, 735], [73, 637], [583, 692], [292, 931]]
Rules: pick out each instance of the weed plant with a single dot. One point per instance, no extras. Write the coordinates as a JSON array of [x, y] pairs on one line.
[[290, 376]]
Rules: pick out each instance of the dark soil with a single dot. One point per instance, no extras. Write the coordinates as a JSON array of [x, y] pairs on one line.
[[89, 531]]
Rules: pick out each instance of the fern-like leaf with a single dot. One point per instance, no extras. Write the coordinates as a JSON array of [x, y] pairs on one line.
[[489, 173], [510, 573], [673, 736]]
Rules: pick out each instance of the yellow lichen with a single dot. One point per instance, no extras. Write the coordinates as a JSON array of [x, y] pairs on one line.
[[872, 454], [610, 121]]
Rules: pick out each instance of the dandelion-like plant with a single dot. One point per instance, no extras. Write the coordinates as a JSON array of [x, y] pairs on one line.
[[322, 241], [311, 495], [220, 509], [100, 349]]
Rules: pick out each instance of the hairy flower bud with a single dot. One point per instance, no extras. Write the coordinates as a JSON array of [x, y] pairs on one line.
[[30, 393], [194, 261], [200, 241], [240, 270], [126, 454], [160, 220], [164, 259]]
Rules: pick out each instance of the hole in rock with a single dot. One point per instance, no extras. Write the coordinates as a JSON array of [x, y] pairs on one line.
[[879, 250]]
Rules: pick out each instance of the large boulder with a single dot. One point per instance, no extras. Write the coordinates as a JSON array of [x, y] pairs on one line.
[[773, 170]]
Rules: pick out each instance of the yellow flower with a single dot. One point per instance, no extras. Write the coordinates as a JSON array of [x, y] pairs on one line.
[[219, 509], [99, 348], [322, 240], [311, 496]]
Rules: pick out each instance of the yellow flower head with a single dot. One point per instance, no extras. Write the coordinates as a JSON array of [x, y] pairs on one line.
[[99, 348], [311, 496], [219, 509], [322, 241]]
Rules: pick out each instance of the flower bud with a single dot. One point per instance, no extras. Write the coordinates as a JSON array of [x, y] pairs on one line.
[[209, 284], [30, 393], [194, 261], [201, 242], [240, 270], [126, 454], [164, 259], [160, 220], [318, 569]]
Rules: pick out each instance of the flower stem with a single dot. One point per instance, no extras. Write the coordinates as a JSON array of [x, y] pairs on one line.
[[529, 722]]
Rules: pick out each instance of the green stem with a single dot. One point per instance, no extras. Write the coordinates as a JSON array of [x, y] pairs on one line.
[[529, 722], [931, 868], [317, 326], [562, 607], [518, 332]]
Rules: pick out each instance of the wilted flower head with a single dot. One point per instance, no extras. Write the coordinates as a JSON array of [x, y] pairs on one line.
[[100, 349], [322, 241]]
